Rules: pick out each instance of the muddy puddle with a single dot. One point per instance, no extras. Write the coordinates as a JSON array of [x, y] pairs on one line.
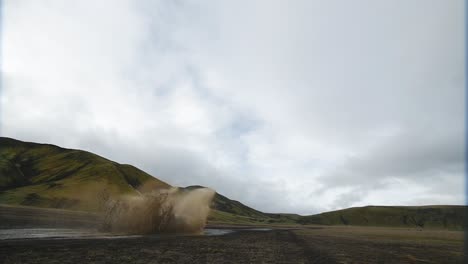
[[64, 233]]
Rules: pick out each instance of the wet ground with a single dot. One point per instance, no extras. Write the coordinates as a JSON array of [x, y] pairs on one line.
[[327, 245], [235, 247], [69, 233], [227, 244]]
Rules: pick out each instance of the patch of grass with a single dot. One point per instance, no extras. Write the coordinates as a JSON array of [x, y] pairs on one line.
[[446, 217], [63, 178], [45, 175]]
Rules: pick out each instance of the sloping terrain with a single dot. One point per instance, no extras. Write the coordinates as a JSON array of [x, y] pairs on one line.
[[44, 175], [49, 176], [226, 210], [448, 216]]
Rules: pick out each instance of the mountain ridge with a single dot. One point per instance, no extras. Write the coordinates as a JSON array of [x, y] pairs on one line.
[[46, 175]]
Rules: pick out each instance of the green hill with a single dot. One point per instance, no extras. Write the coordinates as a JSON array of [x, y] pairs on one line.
[[227, 211], [436, 216], [222, 203], [44, 175]]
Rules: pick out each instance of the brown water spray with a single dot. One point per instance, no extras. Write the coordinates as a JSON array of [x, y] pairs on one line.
[[171, 210]]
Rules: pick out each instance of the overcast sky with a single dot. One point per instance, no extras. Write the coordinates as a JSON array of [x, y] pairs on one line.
[[286, 106]]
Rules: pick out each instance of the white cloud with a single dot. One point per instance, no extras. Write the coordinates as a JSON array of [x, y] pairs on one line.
[[301, 107]]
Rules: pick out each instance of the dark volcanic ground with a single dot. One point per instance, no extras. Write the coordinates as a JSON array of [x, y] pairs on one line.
[[243, 246], [302, 244], [279, 246]]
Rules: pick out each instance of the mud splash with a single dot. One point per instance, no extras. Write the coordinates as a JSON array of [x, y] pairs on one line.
[[160, 211]]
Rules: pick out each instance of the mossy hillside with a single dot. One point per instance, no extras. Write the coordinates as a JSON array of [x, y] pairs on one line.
[[447, 217], [49, 176]]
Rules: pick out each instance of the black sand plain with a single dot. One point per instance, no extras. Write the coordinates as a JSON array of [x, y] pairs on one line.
[[291, 244]]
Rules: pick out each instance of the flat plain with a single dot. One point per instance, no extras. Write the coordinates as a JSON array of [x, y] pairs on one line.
[[278, 245], [238, 244]]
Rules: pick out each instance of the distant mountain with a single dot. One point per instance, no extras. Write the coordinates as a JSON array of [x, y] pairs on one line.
[[226, 210], [435, 216], [45, 175]]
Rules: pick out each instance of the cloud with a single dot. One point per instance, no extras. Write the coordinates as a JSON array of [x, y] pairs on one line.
[[302, 107]]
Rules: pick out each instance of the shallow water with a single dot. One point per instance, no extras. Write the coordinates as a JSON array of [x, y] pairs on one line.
[[62, 233], [216, 231], [27, 233], [22, 233]]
